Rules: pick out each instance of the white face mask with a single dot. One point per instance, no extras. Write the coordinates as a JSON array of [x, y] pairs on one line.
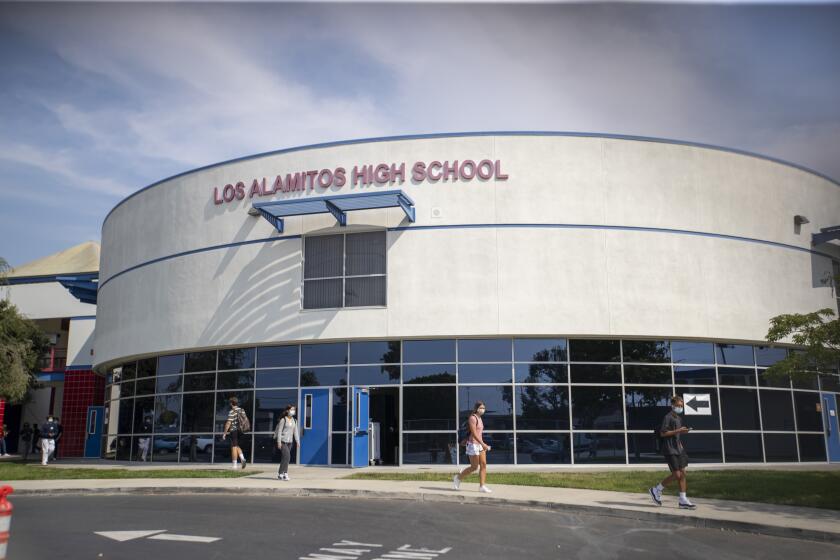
[[480, 411], [678, 409], [292, 412]]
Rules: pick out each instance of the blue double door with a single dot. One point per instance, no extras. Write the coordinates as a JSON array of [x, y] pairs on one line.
[[832, 426], [315, 422]]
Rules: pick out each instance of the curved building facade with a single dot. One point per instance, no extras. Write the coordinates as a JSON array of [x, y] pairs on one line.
[[571, 282]]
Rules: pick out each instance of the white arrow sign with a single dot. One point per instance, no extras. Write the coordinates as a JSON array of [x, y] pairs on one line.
[[122, 536], [697, 404], [183, 538]]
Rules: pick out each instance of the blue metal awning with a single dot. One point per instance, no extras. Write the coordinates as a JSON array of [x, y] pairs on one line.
[[82, 287], [338, 206], [826, 234]]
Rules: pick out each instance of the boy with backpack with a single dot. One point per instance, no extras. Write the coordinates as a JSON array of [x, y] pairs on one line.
[[675, 454], [237, 422]]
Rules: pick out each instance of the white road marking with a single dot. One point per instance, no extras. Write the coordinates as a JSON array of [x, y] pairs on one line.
[[184, 538], [122, 536]]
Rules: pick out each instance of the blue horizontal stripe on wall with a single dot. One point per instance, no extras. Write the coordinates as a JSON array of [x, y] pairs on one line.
[[491, 226]]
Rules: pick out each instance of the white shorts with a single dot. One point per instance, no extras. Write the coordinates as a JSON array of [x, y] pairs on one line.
[[474, 449]]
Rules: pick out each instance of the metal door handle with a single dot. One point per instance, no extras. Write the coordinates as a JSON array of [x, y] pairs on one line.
[[827, 417]]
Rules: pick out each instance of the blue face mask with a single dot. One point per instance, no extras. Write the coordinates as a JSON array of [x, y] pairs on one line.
[[678, 409]]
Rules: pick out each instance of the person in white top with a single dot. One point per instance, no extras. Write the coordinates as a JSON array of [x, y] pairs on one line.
[[286, 433]]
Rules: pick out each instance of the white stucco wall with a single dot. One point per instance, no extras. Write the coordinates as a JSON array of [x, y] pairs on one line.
[[46, 300], [510, 276], [80, 342]]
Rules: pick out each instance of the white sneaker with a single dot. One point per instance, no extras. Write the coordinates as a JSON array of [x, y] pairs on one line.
[[286, 476], [485, 490], [687, 505], [456, 482]]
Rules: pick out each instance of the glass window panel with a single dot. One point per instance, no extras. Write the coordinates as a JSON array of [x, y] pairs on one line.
[[228, 380], [598, 448], [595, 373], [265, 450], [541, 448], [198, 412], [811, 447], [364, 291], [144, 415], [365, 253], [484, 350], [780, 448], [647, 351], [339, 449], [484, 373], [742, 448], [378, 352], [277, 378], [765, 381], [684, 352], [165, 449], [170, 364], [123, 448], [539, 349], [808, 411], [141, 448], [339, 410], [324, 354], [323, 294], [374, 375], [498, 401], [810, 383], [734, 355], [502, 449], [689, 375], [200, 361], [323, 256], [777, 411], [129, 371], [736, 376], [429, 374], [646, 407], [221, 453], [246, 402], [237, 358], [582, 350], [269, 407], [277, 356], [145, 386], [658, 375], [147, 367], [323, 376], [641, 448], [168, 384], [598, 408], [700, 422], [830, 382], [429, 351], [429, 408], [197, 448], [123, 410], [540, 373], [703, 448], [167, 413], [430, 449], [769, 355], [200, 382], [126, 389], [542, 407]]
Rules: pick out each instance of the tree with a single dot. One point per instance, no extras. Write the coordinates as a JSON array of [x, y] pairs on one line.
[[21, 346], [819, 335]]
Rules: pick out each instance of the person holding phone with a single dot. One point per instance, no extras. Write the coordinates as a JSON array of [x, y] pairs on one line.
[[675, 454], [476, 450]]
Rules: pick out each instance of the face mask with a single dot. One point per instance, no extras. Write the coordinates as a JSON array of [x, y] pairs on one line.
[[678, 409], [291, 413], [480, 411]]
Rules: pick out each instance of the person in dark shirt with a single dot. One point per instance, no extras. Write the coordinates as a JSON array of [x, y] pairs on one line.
[[675, 454], [57, 438], [49, 431], [26, 439]]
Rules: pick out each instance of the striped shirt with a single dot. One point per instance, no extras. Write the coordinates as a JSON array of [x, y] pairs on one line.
[[233, 418]]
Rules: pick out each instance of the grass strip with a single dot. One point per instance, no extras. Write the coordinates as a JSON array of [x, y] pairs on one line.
[[34, 471], [819, 489]]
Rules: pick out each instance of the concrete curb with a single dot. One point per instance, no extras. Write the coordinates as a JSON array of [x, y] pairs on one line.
[[680, 520]]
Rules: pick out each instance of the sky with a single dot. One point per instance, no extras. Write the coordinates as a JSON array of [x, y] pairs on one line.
[[100, 100]]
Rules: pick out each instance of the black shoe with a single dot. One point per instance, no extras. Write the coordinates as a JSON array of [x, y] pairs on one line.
[[243, 463]]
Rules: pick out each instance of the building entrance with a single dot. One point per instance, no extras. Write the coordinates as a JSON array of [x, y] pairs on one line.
[[385, 424], [832, 427]]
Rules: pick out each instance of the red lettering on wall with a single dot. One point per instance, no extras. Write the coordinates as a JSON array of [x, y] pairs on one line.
[[418, 172], [436, 176], [216, 198], [380, 175], [398, 172], [499, 175], [340, 177], [485, 169], [255, 189]]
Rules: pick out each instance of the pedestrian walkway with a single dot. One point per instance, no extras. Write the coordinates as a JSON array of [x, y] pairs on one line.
[[798, 522]]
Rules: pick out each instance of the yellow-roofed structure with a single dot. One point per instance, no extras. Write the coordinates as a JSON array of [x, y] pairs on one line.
[[83, 258]]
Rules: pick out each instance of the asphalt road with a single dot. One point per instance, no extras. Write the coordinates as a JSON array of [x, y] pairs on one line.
[[256, 528]]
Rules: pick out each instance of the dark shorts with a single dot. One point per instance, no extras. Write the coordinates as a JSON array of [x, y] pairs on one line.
[[677, 462], [234, 438]]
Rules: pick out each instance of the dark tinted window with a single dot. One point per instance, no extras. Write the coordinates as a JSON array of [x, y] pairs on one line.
[[830, 382], [144, 415], [740, 409], [777, 410], [766, 381], [235, 380], [237, 358], [429, 351], [811, 447], [145, 386], [374, 375], [364, 291], [277, 378], [123, 410], [540, 373], [502, 454], [165, 449], [646, 406], [780, 447], [736, 376], [703, 448], [315, 376], [322, 294], [323, 256], [701, 422], [147, 367], [323, 354], [339, 449], [429, 408], [641, 448], [539, 350], [734, 355], [809, 382], [222, 448], [595, 373], [198, 412], [429, 373], [277, 356], [168, 384], [126, 389], [692, 352], [339, 410], [808, 414], [542, 408], [197, 448], [430, 449], [688, 375], [743, 448], [365, 253], [200, 382], [660, 375], [200, 361], [484, 373], [484, 350], [129, 371], [498, 401], [768, 355], [654, 351], [598, 448], [537, 448], [269, 406], [167, 413], [598, 408], [582, 350], [380, 352], [170, 364]]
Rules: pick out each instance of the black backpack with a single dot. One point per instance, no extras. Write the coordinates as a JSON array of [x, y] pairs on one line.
[[464, 432]]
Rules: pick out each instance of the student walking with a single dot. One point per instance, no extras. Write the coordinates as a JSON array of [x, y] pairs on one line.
[[4, 431], [675, 454], [476, 450], [49, 431], [237, 422], [285, 434]]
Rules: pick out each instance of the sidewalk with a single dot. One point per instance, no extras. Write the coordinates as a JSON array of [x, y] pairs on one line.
[[783, 521]]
